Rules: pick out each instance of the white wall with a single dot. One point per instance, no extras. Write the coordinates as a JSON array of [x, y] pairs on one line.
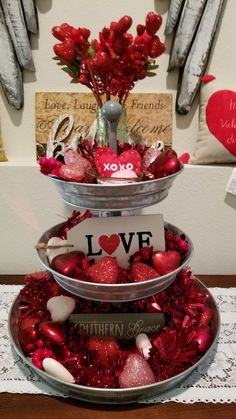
[[197, 202]]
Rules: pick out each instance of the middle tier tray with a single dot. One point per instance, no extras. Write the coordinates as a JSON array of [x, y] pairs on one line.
[[115, 196], [113, 292]]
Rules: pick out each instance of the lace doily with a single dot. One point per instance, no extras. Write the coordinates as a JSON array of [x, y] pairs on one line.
[[214, 381]]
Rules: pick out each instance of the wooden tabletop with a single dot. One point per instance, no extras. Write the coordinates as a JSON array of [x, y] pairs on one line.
[[27, 406]]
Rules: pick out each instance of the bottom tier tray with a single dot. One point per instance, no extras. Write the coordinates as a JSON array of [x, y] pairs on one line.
[[113, 396]]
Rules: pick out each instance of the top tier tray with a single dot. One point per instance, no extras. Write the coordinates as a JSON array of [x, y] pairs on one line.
[[115, 197]]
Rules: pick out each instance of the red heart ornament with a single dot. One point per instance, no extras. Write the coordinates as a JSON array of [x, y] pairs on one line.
[[201, 337], [27, 322], [165, 164], [109, 243], [27, 338], [66, 263], [107, 162], [165, 262], [221, 118], [55, 332]]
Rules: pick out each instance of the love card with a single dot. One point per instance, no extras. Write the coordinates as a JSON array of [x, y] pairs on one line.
[[119, 237]]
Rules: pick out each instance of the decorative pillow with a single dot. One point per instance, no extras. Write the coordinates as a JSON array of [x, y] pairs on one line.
[[217, 126]]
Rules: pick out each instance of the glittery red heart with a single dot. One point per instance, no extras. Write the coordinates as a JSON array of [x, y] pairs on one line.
[[107, 162], [109, 243], [221, 120]]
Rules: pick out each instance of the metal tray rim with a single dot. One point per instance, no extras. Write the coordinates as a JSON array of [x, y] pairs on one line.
[[120, 286], [178, 377], [96, 185]]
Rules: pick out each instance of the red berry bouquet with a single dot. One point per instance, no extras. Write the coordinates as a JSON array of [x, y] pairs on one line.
[[112, 64]]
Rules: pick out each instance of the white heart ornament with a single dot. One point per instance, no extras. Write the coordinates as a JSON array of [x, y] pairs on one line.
[[57, 370], [60, 307], [56, 241]]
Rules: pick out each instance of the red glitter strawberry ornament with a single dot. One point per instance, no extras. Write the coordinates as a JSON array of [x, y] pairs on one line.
[[104, 271], [143, 272], [104, 348]]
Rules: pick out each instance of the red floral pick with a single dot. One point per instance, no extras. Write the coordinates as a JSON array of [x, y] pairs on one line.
[[114, 62], [184, 158], [207, 78], [49, 165]]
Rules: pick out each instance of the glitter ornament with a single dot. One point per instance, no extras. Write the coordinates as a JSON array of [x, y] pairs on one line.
[[74, 172], [136, 372], [105, 271], [142, 272]]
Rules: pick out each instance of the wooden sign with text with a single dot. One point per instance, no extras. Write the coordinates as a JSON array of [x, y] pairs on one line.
[[119, 325], [149, 116]]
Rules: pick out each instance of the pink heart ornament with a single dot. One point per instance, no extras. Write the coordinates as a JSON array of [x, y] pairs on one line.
[[73, 172], [136, 372], [107, 162]]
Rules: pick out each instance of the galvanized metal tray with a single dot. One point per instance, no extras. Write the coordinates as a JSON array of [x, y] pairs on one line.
[[115, 197], [113, 292], [113, 396]]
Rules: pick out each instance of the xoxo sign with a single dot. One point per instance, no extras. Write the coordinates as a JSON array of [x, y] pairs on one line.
[[114, 167], [107, 162]]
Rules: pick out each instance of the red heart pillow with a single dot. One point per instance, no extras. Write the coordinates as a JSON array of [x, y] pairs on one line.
[[221, 118], [216, 141]]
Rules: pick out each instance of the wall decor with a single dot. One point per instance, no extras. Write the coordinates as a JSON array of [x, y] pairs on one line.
[[17, 19], [149, 115], [217, 127], [195, 24]]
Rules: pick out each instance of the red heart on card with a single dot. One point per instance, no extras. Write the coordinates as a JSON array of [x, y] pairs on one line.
[[221, 118], [109, 244], [107, 161]]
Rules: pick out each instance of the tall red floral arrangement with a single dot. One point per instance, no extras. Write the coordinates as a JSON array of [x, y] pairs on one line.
[[113, 63]]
